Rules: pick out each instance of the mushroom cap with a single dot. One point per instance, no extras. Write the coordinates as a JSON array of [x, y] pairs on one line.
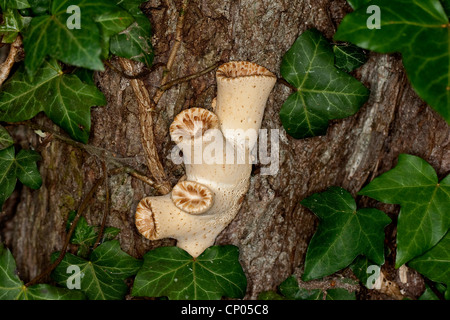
[[191, 124], [192, 197], [237, 69], [145, 219]]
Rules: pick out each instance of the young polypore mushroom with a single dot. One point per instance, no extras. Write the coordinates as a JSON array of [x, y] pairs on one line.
[[217, 155]]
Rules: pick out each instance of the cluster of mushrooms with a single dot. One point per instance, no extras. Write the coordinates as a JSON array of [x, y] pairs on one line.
[[203, 203]]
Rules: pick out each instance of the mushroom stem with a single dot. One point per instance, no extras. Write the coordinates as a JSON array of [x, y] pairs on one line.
[[217, 156]]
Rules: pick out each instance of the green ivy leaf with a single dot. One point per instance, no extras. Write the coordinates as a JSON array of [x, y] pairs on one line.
[[270, 295], [343, 233], [12, 288], [5, 138], [423, 219], [348, 57], [63, 98], [13, 23], [21, 166], [14, 4], [420, 31], [435, 263], [86, 235], [323, 91], [50, 35], [39, 6], [356, 4], [291, 290], [340, 294], [103, 275], [172, 272], [135, 41]]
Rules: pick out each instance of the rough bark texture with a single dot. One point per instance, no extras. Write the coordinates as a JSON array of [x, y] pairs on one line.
[[272, 229]]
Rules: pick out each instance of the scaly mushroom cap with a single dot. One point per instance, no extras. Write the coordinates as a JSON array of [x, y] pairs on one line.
[[192, 197], [191, 124], [235, 69]]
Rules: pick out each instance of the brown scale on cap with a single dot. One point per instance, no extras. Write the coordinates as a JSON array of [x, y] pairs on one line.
[[237, 69], [192, 197], [192, 123]]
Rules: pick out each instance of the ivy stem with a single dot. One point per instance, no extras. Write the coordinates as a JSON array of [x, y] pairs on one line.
[[106, 209], [62, 253]]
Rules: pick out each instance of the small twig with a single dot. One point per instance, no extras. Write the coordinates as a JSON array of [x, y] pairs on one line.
[[170, 84], [433, 288], [144, 73], [146, 126], [106, 209], [6, 66], [62, 253], [173, 51], [93, 151]]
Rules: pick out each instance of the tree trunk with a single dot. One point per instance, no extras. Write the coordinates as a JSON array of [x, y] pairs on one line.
[[272, 229]]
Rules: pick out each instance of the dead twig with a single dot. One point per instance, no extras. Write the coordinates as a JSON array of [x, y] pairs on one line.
[[6, 66], [62, 253], [170, 84]]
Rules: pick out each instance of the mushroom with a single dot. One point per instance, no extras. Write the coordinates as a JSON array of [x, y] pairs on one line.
[[216, 150]]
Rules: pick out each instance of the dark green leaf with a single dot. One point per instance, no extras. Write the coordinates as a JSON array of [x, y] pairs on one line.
[[12, 288], [40, 6], [172, 272], [63, 98], [270, 295], [423, 219], [13, 23], [343, 233], [114, 21], [135, 41], [348, 57], [420, 31], [340, 294], [323, 91], [21, 166], [5, 138], [50, 35], [356, 4], [14, 4], [291, 290], [435, 263], [102, 277]]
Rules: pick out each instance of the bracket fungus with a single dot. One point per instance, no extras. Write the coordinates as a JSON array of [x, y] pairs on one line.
[[216, 149]]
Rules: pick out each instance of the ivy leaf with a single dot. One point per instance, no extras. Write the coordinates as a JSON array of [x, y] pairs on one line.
[[5, 138], [12, 288], [435, 263], [63, 98], [50, 35], [172, 272], [340, 294], [323, 91], [12, 24], [291, 290], [423, 219], [14, 4], [39, 6], [343, 233], [103, 275], [420, 31], [135, 41], [348, 57], [21, 166], [86, 235]]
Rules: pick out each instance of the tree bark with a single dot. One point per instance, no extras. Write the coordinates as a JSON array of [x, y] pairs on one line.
[[272, 229]]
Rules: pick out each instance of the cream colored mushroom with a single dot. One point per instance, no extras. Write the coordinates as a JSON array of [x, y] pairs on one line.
[[216, 152]]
